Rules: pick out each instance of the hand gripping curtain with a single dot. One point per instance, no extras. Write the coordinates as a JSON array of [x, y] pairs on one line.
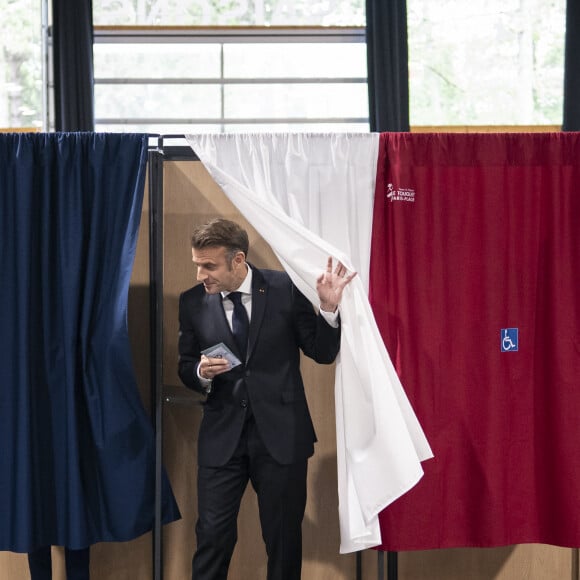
[[311, 196], [77, 448]]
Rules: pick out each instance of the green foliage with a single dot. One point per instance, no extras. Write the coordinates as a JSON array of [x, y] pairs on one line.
[[492, 62], [20, 63], [18, 22], [229, 12]]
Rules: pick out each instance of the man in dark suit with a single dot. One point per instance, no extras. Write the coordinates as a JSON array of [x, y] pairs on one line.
[[256, 424]]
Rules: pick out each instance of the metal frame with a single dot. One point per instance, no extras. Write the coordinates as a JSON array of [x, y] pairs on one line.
[[156, 339], [45, 62], [228, 34], [392, 568], [156, 158]]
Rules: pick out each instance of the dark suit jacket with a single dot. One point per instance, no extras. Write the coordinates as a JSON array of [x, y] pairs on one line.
[[269, 382]]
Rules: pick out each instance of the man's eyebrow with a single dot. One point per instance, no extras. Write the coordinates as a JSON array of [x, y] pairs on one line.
[[204, 263]]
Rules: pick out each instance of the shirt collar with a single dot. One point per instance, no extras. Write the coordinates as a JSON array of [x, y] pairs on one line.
[[246, 286]]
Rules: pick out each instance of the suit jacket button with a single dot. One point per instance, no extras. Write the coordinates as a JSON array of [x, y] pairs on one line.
[[244, 403], [247, 373]]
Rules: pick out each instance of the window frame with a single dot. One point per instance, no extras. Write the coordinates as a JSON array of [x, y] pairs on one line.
[[227, 35]]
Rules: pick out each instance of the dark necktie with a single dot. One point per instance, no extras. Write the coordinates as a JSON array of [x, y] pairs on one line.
[[240, 322]]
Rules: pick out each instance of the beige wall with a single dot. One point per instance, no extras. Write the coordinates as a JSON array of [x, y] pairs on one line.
[[192, 197], [522, 562]]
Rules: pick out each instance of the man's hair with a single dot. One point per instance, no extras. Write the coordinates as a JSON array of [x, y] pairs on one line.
[[218, 233]]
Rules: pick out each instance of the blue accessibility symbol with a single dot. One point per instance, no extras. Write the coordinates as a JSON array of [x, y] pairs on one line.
[[509, 340]]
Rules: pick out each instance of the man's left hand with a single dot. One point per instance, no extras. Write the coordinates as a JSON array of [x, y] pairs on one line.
[[330, 285]]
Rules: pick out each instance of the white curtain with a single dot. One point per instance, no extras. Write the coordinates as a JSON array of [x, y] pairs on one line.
[[310, 197]]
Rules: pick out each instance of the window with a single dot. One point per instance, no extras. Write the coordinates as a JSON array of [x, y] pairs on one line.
[[201, 65], [21, 101], [292, 64], [200, 80], [229, 13], [486, 62]]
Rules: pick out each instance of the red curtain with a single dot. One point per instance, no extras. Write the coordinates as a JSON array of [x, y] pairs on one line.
[[475, 271]]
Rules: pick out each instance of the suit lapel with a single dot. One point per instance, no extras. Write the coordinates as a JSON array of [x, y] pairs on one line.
[[259, 298]]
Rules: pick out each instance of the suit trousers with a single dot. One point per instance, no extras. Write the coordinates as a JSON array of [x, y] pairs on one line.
[[281, 492], [76, 562]]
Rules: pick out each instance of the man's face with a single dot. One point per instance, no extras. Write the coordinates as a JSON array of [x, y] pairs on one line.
[[215, 270]]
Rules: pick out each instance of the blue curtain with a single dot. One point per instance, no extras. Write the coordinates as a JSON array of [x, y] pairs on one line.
[[77, 447]]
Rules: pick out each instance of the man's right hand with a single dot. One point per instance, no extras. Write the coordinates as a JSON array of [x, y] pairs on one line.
[[211, 367]]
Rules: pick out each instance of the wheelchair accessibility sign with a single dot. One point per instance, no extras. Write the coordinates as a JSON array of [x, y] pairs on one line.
[[509, 340]]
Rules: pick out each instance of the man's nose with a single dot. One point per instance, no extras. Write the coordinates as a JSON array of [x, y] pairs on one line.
[[201, 274]]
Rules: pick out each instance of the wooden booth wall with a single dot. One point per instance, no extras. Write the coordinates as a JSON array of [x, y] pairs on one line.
[[192, 197]]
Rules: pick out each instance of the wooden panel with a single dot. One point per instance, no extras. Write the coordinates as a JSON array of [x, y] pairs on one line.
[[521, 562], [13, 566]]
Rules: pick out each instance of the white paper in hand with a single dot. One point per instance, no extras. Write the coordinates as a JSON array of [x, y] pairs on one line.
[[220, 350]]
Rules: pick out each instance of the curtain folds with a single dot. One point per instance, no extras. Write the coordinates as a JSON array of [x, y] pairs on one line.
[[77, 456], [387, 65], [311, 196], [72, 32], [475, 270]]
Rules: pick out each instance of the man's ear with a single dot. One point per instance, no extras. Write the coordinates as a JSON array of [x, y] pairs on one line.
[[239, 258]]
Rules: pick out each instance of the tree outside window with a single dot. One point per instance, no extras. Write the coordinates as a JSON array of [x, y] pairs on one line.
[[230, 13], [486, 62], [20, 64]]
